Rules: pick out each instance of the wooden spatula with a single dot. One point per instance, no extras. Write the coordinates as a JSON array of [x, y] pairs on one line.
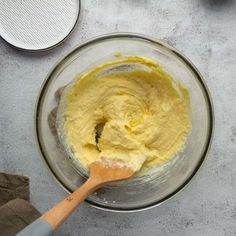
[[101, 173]]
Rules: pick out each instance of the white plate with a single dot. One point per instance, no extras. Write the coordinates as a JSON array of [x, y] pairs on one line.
[[37, 24]]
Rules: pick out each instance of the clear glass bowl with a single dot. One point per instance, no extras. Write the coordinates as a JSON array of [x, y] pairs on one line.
[[137, 193]]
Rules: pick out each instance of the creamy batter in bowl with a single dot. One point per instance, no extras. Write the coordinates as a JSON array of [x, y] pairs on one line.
[[142, 114], [168, 178]]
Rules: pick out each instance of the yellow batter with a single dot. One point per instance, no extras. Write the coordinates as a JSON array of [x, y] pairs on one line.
[[142, 115]]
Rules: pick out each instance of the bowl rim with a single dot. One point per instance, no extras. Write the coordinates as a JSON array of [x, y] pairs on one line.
[[154, 41]]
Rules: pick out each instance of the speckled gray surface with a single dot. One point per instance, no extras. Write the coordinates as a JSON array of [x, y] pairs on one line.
[[205, 31]]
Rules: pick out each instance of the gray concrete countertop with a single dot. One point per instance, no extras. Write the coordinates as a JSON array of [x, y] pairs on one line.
[[205, 31]]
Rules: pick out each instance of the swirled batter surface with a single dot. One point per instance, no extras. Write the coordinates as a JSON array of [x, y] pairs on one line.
[[138, 114]]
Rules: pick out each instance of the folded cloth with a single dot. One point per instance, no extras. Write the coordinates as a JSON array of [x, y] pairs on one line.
[[16, 215], [13, 186]]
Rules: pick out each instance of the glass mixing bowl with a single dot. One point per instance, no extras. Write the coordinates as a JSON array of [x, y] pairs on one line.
[[140, 192]]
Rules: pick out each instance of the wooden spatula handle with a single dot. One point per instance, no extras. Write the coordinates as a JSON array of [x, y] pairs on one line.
[[100, 174], [56, 215]]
